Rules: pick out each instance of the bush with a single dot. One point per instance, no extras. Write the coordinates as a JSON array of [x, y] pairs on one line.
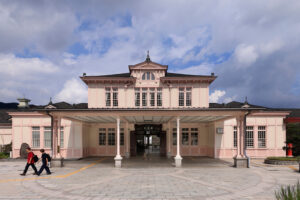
[[284, 158], [4, 155], [290, 192]]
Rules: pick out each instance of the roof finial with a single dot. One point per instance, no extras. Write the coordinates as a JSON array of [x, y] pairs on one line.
[[50, 102], [246, 105], [148, 57]]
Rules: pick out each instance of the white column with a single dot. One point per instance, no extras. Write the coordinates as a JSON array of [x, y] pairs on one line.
[[127, 140], [178, 158], [118, 158]]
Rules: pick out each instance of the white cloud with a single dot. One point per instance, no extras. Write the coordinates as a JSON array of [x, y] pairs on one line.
[[73, 92], [245, 55], [25, 68], [177, 33], [203, 69], [216, 96]]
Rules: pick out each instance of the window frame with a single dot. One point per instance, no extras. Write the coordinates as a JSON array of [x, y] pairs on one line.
[[152, 97], [111, 132], [108, 96], [122, 137], [181, 98], [36, 140], [194, 140], [261, 131], [144, 97], [47, 137], [249, 137], [102, 136], [188, 93], [235, 136], [174, 135], [185, 136], [147, 76], [137, 97], [158, 97], [115, 99]]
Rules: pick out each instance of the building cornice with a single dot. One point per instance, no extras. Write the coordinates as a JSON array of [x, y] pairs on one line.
[[191, 79], [103, 79]]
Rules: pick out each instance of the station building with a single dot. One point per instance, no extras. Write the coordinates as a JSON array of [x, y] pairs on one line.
[[149, 111]]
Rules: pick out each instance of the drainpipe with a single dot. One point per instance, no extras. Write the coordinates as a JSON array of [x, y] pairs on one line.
[[245, 126], [51, 132]]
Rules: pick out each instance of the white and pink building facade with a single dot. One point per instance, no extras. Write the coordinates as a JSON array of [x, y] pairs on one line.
[[150, 111]]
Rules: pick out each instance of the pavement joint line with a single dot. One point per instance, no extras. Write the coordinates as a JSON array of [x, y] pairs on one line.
[[52, 177], [292, 167]]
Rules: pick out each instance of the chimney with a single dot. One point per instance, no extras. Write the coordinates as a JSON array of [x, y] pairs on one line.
[[23, 103], [212, 74]]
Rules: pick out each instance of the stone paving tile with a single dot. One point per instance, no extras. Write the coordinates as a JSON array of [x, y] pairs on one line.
[[220, 181]]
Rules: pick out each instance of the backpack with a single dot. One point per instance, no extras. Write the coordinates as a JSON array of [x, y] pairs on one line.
[[35, 158], [49, 158]]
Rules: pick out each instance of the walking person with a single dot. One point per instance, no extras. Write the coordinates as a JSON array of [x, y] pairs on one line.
[[30, 162], [45, 159]]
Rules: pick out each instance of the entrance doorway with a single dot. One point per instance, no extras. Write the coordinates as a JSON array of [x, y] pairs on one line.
[[148, 139]]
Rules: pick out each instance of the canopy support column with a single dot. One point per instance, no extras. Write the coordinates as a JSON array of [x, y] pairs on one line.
[[178, 158], [241, 160], [118, 158]]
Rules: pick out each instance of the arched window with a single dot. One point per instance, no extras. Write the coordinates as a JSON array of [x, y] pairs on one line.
[[148, 76]]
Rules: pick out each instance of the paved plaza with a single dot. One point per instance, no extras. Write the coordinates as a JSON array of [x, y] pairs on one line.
[[152, 178]]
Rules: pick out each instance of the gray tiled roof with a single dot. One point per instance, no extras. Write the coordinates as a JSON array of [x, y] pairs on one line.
[[167, 75]]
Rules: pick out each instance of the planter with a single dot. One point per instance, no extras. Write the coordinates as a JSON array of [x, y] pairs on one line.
[[281, 162]]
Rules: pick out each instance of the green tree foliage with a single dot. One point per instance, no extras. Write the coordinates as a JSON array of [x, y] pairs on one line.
[[293, 136]]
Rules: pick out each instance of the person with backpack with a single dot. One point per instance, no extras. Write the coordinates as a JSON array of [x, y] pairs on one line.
[[45, 159], [31, 159]]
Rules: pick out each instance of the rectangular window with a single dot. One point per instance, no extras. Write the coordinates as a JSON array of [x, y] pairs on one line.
[[107, 97], [137, 97], [35, 137], [152, 96], [122, 136], [144, 96], [62, 137], [194, 136], [47, 137], [188, 97], [261, 136], [102, 136], [115, 96], [185, 136], [234, 136], [249, 137], [111, 137], [175, 136], [181, 97], [159, 97]]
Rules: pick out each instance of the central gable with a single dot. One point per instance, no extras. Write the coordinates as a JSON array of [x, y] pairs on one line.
[[148, 65]]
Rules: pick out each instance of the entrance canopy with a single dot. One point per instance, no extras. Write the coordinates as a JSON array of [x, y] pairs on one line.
[[149, 116], [148, 119]]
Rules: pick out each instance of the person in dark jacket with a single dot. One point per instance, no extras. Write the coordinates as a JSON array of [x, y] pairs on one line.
[[45, 160], [30, 162]]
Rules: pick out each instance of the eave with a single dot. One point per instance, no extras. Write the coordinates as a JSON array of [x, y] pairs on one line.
[[194, 79], [97, 79]]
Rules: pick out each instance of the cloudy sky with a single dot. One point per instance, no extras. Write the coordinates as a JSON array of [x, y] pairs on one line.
[[252, 46]]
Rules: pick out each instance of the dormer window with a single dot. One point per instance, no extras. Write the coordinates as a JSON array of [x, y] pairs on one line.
[[148, 76]]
